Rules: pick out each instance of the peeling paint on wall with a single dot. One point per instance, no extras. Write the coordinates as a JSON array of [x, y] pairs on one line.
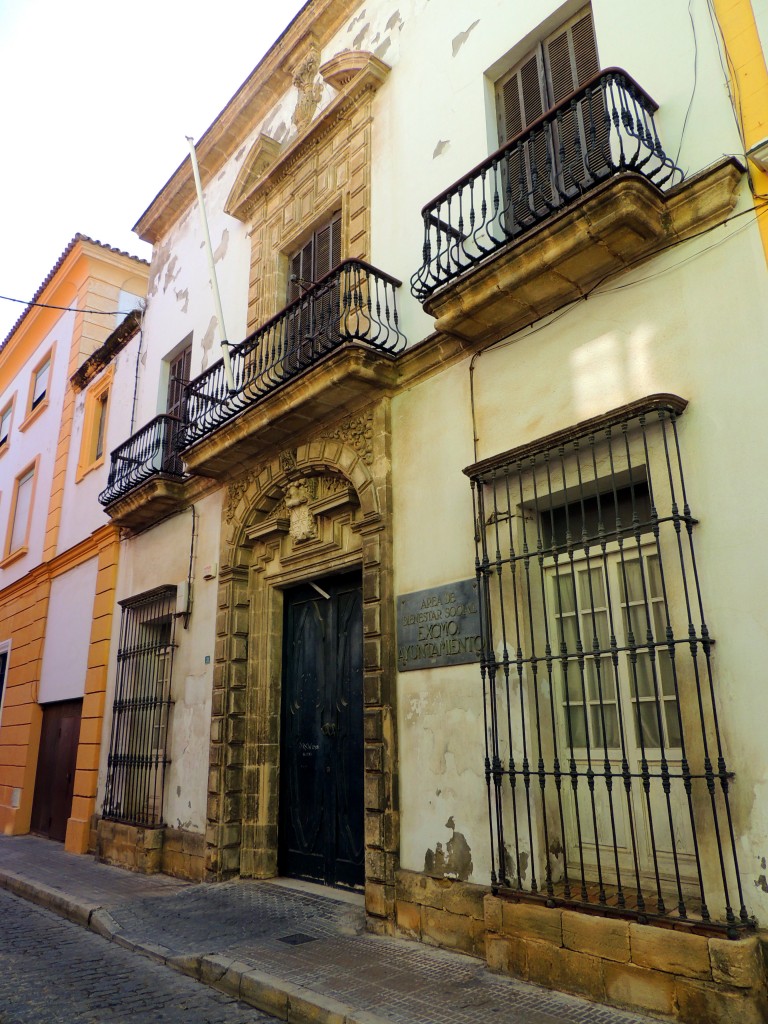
[[239, 154], [441, 147], [381, 50], [207, 342], [182, 297], [159, 262], [172, 271], [221, 249], [357, 42], [395, 21], [462, 37], [354, 21], [455, 861], [762, 883]]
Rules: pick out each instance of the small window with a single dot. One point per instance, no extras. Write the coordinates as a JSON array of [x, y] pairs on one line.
[[18, 532], [39, 388], [5, 426], [40, 383], [95, 418]]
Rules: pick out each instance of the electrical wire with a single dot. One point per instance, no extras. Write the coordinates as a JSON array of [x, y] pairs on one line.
[[695, 79], [69, 309]]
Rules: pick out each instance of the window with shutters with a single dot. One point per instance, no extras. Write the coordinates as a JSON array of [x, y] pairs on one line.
[[551, 162], [179, 372], [318, 256], [312, 324]]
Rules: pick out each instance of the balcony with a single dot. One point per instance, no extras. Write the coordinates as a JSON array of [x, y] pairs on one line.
[[584, 192], [145, 475], [334, 346]]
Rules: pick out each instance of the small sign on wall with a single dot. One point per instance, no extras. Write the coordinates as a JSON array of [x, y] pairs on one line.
[[438, 627]]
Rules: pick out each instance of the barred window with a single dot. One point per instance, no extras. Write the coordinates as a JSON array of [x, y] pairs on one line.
[[606, 772], [137, 753]]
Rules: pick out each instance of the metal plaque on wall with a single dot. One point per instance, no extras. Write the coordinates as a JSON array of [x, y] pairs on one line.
[[438, 627]]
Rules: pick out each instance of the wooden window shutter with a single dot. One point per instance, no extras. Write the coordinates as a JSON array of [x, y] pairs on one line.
[[327, 247], [317, 257], [570, 57], [178, 376], [519, 98], [295, 276]]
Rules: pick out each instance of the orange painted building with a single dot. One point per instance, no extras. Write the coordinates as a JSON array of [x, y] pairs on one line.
[[66, 378]]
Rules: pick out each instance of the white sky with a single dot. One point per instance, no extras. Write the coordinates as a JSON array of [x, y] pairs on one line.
[[97, 97]]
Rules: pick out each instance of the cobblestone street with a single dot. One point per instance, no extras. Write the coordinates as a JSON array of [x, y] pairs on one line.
[[54, 972]]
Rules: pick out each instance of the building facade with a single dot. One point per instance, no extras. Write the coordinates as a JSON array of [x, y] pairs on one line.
[[66, 380], [446, 589]]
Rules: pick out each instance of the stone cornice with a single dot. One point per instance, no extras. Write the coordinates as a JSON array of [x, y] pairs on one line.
[[317, 22]]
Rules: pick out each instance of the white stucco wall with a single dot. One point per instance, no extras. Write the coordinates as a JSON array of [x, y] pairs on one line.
[[68, 634], [39, 438]]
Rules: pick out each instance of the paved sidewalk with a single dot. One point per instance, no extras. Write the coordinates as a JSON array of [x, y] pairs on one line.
[[298, 953]]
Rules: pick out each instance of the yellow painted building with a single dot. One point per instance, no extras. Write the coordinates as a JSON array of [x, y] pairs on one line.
[[66, 371]]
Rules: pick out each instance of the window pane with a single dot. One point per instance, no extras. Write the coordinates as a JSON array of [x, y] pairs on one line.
[[5, 424], [666, 673], [574, 690], [607, 716], [644, 675], [21, 512], [591, 590], [673, 723], [564, 593], [654, 576], [577, 736], [649, 724]]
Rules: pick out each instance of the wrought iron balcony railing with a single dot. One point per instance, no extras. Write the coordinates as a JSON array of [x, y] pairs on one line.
[[354, 303], [604, 128], [149, 452]]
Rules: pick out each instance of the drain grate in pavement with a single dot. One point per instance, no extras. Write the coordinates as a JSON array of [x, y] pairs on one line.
[[297, 939]]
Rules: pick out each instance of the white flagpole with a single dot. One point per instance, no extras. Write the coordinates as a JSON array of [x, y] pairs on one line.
[[211, 267]]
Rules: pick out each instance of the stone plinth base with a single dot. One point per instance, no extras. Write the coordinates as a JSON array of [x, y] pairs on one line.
[[151, 850], [441, 912], [687, 977]]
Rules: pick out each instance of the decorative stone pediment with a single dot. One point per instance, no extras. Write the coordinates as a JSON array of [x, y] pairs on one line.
[[263, 154], [355, 74]]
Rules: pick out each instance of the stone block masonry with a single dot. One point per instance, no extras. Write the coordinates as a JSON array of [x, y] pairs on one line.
[[677, 974]]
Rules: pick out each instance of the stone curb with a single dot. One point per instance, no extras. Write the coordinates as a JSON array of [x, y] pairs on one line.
[[272, 995], [77, 911], [265, 992]]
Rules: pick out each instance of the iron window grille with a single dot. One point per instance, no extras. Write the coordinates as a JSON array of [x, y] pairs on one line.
[[138, 755], [607, 782]]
